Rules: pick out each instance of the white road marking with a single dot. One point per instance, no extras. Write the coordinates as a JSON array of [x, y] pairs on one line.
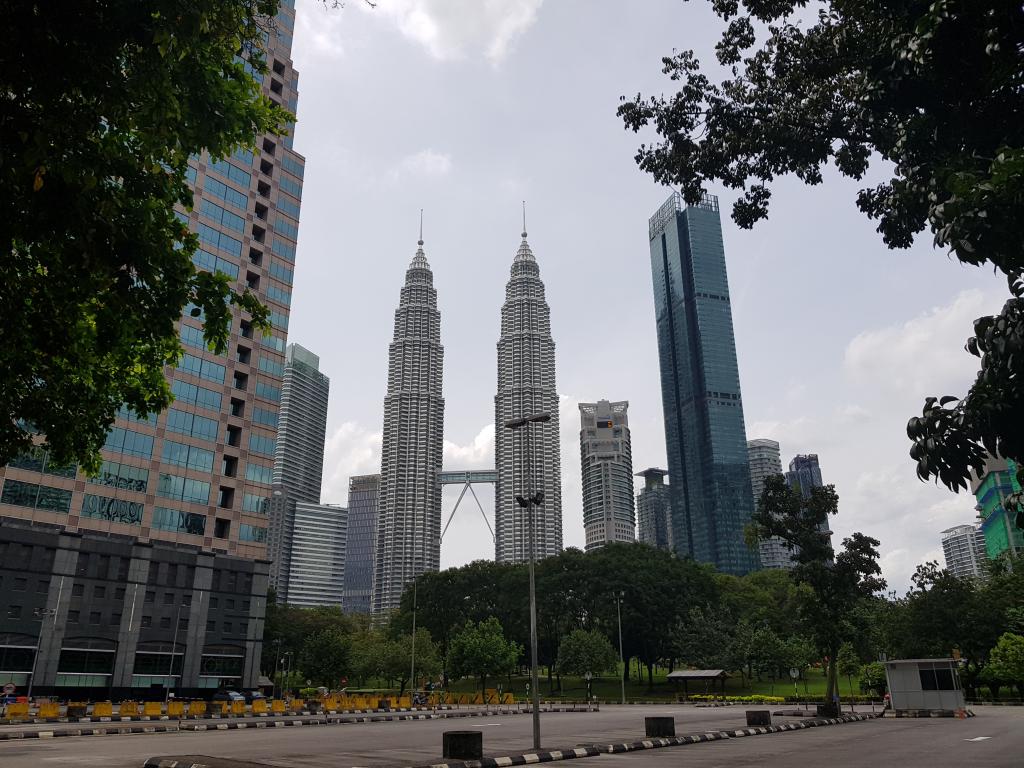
[[485, 725], [979, 738]]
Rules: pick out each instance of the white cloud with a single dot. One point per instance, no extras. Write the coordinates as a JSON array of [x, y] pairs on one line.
[[350, 450], [454, 29], [479, 454], [321, 29], [426, 162], [924, 354]]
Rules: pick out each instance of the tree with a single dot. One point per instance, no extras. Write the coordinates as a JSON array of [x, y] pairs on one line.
[[1006, 661], [396, 658], [835, 583], [482, 650], [848, 664], [866, 82], [366, 655], [873, 678], [325, 657], [583, 651], [102, 105]]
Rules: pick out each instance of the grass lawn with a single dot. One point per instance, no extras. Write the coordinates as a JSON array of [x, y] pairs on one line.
[[608, 688]]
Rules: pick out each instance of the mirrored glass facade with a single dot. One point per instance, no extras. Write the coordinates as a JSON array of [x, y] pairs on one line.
[[704, 429]]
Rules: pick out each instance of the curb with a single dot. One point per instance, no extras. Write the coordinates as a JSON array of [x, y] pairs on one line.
[[930, 713], [500, 762], [697, 738], [193, 726]]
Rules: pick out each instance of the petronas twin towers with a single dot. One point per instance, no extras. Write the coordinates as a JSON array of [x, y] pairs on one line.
[[409, 506]]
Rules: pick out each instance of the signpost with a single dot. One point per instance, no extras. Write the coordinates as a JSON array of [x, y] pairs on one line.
[[794, 674]]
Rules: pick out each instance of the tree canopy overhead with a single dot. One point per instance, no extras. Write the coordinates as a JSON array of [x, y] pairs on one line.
[[101, 105], [929, 91]]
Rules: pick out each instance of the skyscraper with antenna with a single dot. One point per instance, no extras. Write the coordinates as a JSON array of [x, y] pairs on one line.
[[526, 386], [409, 505]]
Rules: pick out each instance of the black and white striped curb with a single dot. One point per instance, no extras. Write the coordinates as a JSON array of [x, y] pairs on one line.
[[696, 738], [232, 725], [501, 762]]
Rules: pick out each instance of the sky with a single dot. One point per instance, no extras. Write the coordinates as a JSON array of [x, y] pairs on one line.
[[465, 108]]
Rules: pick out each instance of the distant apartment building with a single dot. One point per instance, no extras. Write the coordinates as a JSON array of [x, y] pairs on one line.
[[999, 480], [298, 458], [765, 461], [964, 549], [362, 537], [154, 572], [654, 510], [805, 474], [607, 472], [316, 568]]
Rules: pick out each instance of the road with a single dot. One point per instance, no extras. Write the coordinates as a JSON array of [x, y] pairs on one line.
[[908, 743]]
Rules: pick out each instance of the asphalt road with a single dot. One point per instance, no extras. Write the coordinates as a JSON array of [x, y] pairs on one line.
[[907, 743]]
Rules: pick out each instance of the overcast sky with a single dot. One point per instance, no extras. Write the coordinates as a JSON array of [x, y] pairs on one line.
[[466, 107]]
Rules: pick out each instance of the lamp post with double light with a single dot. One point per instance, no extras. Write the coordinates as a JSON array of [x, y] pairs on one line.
[[528, 500]]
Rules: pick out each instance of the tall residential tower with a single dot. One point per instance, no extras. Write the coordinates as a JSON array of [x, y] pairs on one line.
[[154, 571], [765, 461], [654, 510], [526, 386], [607, 470], [409, 503], [700, 386]]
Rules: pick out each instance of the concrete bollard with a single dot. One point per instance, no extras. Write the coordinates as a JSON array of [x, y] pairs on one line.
[[462, 745], [759, 717], [660, 727]]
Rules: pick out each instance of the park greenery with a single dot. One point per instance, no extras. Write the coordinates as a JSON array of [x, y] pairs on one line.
[[926, 92], [473, 628], [102, 106]]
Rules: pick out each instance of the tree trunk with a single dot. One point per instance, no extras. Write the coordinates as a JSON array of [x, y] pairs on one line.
[[625, 668], [483, 687], [832, 686], [650, 676]]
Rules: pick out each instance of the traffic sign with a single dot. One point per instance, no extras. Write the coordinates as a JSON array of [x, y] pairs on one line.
[[794, 672], [10, 688]]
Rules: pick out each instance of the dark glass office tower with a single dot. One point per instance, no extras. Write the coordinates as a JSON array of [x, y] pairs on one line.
[[362, 535], [700, 387]]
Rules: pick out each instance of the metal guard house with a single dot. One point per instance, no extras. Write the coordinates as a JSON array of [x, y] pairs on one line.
[[924, 684], [709, 676]]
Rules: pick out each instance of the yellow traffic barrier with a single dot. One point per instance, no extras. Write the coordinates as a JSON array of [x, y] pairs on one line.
[[404, 702], [259, 706], [17, 711], [129, 709], [508, 698], [175, 708], [197, 708], [221, 707], [277, 706], [152, 709], [297, 705], [49, 711], [237, 707], [103, 709]]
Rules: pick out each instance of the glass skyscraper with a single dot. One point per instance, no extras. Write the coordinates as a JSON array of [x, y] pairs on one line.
[[704, 430], [362, 535], [154, 572]]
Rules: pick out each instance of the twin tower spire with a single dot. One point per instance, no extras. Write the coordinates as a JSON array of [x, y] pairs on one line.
[[409, 504]]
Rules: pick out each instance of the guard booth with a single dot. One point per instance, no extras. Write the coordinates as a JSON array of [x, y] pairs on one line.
[[711, 678], [931, 685]]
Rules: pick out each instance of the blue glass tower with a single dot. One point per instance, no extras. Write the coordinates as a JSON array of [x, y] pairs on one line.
[[700, 387]]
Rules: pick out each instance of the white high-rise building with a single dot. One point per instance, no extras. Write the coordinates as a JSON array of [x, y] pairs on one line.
[[964, 550], [409, 505], [606, 460], [526, 386], [765, 461], [316, 570]]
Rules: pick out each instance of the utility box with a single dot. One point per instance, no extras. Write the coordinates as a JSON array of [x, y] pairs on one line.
[[930, 685]]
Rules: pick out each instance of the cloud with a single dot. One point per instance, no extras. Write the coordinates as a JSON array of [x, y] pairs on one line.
[[321, 28], [455, 29], [350, 450], [479, 454], [426, 162], [923, 354]]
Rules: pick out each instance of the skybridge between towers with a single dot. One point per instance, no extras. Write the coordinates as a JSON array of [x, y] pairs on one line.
[[467, 479]]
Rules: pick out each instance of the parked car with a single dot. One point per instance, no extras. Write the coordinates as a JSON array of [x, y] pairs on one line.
[[251, 696], [228, 696]]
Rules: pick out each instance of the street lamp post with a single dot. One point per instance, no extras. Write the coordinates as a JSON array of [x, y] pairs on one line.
[[41, 614], [528, 500], [174, 646], [277, 665], [622, 659]]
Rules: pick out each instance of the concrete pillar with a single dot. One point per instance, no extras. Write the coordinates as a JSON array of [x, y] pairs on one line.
[[195, 638], [131, 614], [52, 628]]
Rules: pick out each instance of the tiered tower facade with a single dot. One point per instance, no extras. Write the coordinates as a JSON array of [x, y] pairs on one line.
[[409, 507], [526, 386]]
